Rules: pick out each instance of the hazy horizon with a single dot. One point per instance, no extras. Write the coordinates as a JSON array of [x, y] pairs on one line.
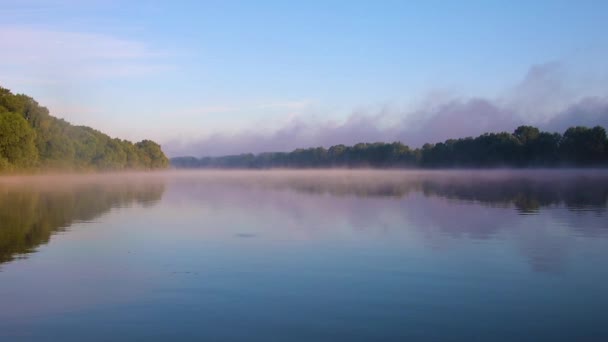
[[208, 79], [350, 227]]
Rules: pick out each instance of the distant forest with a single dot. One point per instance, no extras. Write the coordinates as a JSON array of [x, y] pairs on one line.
[[526, 147], [31, 139]]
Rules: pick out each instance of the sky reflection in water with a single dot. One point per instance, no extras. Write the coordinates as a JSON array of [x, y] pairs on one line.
[[305, 255]]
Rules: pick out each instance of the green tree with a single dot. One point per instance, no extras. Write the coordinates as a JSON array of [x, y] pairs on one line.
[[30, 136], [150, 155], [526, 134], [584, 146], [17, 146]]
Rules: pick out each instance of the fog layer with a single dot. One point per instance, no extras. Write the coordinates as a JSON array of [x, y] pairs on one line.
[[546, 97]]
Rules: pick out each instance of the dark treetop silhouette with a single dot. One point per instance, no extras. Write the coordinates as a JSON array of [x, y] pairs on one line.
[[526, 147]]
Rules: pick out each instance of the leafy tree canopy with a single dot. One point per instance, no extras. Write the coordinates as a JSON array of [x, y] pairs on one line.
[[30, 138]]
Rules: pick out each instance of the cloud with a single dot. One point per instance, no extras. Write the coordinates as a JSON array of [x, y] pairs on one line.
[[589, 111], [542, 92], [296, 133], [41, 55], [543, 98], [457, 118]]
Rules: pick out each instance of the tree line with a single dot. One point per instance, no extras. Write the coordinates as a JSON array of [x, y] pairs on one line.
[[30, 139], [527, 146]]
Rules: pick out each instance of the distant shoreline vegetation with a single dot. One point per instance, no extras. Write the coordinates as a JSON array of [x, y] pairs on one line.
[[32, 140], [527, 146]]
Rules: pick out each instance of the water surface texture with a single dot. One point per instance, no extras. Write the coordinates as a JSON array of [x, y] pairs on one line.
[[305, 256]]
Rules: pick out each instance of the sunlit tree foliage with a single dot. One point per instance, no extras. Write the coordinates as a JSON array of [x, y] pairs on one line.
[[30, 138]]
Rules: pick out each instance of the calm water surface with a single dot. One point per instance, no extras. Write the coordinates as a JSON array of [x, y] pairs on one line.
[[305, 256]]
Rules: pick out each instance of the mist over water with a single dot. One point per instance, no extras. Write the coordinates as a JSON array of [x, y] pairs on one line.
[[305, 254]]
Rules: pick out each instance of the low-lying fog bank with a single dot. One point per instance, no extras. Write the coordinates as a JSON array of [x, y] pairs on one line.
[[316, 175], [528, 189]]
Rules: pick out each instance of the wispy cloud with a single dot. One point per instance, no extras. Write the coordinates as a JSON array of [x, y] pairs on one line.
[[35, 55]]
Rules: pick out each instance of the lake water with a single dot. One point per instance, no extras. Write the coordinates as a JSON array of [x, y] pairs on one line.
[[305, 256]]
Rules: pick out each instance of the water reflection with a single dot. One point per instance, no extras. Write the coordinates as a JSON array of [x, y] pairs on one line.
[[324, 255], [527, 191], [531, 209], [435, 205], [32, 210]]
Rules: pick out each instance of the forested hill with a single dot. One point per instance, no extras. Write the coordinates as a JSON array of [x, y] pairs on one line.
[[526, 147], [32, 139]]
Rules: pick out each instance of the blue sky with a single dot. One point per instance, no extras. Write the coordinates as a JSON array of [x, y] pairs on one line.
[[194, 74]]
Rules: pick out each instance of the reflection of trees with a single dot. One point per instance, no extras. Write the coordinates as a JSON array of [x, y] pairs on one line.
[[527, 192], [28, 217], [438, 207]]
